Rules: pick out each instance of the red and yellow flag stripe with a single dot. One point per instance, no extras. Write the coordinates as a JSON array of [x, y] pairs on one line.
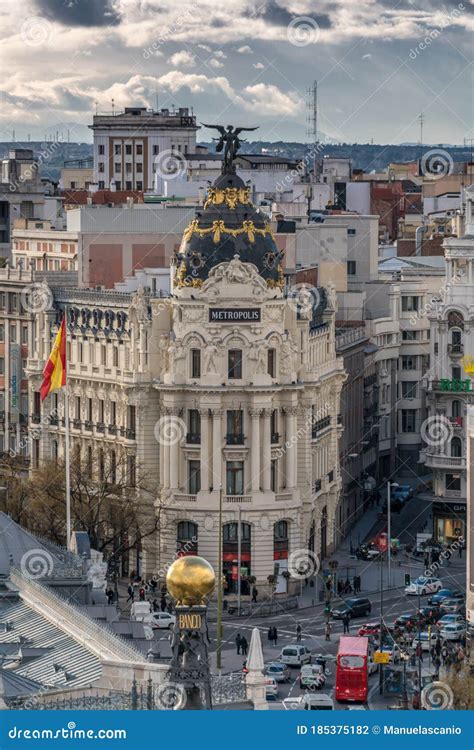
[[54, 373]]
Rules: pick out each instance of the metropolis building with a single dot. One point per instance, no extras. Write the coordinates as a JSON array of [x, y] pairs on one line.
[[227, 391]]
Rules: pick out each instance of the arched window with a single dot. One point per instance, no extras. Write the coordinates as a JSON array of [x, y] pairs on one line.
[[456, 336], [456, 408], [187, 538], [280, 540], [456, 447], [455, 319]]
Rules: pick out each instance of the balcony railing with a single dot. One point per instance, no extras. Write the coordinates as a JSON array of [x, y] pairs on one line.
[[237, 498], [456, 349], [275, 437], [36, 418], [233, 439], [100, 427], [180, 497], [77, 423], [88, 425], [438, 461], [193, 438], [320, 425], [112, 429]]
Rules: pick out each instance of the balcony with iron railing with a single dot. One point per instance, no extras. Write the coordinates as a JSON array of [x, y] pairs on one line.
[[439, 461], [319, 426], [456, 350], [235, 439], [193, 438]]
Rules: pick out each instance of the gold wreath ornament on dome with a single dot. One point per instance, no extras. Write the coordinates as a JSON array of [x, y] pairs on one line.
[[219, 228], [231, 197]]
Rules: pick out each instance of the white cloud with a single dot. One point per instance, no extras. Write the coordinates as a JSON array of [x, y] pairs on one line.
[[259, 66], [267, 99], [215, 63], [220, 55], [183, 59], [245, 50], [204, 47]]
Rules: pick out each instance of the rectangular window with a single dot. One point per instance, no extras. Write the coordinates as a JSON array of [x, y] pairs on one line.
[[139, 168], [101, 168], [235, 478], [103, 355], [2, 332], [128, 185], [351, 267], [117, 167], [77, 407], [410, 335], [132, 471], [410, 304], [139, 185], [128, 168], [155, 150], [101, 410], [2, 365], [408, 420], [274, 475], [131, 418], [408, 362], [13, 333], [113, 413], [271, 363], [194, 427], [89, 410], [37, 404], [24, 334], [456, 373], [194, 477], [115, 356], [128, 149], [235, 427], [409, 388], [235, 364], [275, 438], [195, 363], [101, 149], [139, 149], [351, 232], [453, 482], [117, 149]]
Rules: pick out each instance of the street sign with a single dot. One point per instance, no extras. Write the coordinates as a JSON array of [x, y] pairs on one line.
[[381, 657]]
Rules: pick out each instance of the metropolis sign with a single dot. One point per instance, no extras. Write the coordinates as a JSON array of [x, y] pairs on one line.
[[234, 315]]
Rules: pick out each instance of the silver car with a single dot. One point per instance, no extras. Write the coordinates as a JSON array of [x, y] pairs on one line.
[[279, 671]]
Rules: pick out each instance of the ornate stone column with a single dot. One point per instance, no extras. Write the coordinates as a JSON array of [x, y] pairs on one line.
[[175, 435], [255, 448], [205, 453], [291, 450], [267, 451], [217, 449]]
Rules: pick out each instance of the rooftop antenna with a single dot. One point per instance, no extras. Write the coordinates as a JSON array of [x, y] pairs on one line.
[[312, 107], [96, 105], [421, 120], [113, 106], [156, 97]]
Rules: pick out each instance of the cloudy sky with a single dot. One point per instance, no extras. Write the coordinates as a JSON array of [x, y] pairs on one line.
[[378, 63]]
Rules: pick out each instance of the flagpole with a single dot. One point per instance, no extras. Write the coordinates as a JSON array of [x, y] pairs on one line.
[[67, 446]]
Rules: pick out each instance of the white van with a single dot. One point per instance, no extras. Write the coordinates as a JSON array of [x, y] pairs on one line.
[[321, 702], [295, 656], [139, 611]]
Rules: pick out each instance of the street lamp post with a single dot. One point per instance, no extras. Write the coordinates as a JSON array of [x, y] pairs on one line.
[[381, 628], [219, 589], [389, 530]]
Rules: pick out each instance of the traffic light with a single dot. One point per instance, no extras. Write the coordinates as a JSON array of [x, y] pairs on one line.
[[407, 579]]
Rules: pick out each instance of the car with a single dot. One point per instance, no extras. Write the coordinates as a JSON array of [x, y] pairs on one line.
[[279, 671], [423, 585], [403, 492], [452, 606], [370, 628], [354, 607], [312, 677], [451, 619], [429, 615], [425, 639], [393, 650], [406, 622], [453, 632], [271, 689], [443, 594], [295, 656], [309, 702], [160, 620]]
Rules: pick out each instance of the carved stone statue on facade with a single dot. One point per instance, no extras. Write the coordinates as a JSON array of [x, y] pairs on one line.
[[139, 306], [210, 359]]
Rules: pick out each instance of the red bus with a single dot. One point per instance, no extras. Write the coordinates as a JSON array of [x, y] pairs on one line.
[[352, 668]]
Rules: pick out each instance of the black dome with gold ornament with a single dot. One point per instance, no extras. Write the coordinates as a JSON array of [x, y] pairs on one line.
[[228, 225]]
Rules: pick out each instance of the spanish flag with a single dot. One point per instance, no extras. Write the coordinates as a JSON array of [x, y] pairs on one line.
[[54, 373]]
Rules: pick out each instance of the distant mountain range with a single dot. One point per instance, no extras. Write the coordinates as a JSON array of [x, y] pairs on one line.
[[367, 156]]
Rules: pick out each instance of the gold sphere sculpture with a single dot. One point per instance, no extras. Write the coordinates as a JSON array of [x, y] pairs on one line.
[[190, 580]]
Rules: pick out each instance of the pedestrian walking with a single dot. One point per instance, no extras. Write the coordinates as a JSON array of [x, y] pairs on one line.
[[275, 636], [419, 652], [345, 622], [163, 603], [327, 631], [131, 593], [438, 646], [460, 551], [155, 606], [298, 633], [270, 634], [354, 584], [141, 593], [169, 608], [238, 643], [244, 644], [254, 594]]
